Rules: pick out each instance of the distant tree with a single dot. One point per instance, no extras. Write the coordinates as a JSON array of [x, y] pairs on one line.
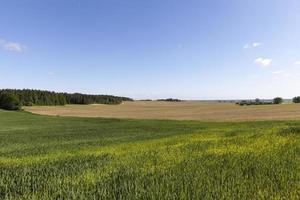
[[257, 101], [277, 100], [296, 99], [9, 101]]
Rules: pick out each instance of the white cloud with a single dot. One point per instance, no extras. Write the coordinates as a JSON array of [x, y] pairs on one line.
[[256, 44], [252, 45], [11, 46], [297, 63], [264, 62], [14, 46]]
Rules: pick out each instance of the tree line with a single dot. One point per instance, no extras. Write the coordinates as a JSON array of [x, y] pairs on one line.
[[29, 97], [170, 100], [276, 100]]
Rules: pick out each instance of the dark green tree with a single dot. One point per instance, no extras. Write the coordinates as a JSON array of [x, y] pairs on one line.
[[257, 101], [10, 101], [39, 97], [277, 100], [296, 99]]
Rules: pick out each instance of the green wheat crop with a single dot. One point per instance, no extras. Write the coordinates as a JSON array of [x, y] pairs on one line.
[[44, 157]]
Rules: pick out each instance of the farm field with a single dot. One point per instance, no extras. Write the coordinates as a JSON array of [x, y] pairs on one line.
[[188, 110], [50, 157]]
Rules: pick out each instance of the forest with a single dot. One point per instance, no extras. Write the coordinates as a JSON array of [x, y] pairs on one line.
[[28, 97]]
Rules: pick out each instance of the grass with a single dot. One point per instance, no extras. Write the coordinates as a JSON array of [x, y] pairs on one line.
[[48, 157], [187, 110]]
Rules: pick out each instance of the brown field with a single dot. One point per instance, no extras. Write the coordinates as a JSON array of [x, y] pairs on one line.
[[189, 110]]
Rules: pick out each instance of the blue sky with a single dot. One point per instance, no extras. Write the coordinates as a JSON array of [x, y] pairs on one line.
[[189, 49]]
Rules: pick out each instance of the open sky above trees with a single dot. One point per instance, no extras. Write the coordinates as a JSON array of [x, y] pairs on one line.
[[152, 49]]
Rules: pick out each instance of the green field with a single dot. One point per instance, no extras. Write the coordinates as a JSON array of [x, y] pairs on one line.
[[44, 157]]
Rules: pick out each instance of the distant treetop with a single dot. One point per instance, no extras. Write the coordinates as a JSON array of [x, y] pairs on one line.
[[277, 100], [296, 99]]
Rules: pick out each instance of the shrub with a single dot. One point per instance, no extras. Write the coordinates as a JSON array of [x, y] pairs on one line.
[[9, 102], [277, 100], [296, 99]]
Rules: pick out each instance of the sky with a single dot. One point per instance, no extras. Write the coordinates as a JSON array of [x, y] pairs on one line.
[[187, 49]]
